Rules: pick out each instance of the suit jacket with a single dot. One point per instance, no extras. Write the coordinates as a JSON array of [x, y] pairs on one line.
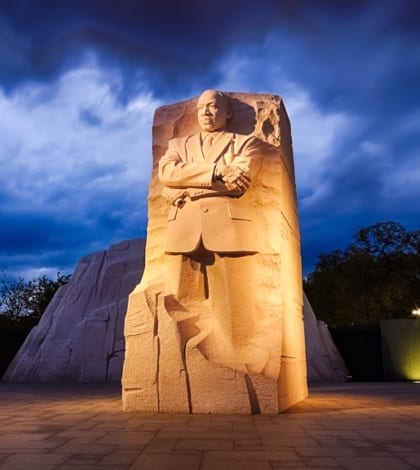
[[219, 218]]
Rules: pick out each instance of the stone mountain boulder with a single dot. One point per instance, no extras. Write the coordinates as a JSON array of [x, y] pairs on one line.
[[80, 336], [323, 360]]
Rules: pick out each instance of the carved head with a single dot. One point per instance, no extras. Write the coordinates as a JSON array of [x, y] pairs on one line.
[[213, 110]]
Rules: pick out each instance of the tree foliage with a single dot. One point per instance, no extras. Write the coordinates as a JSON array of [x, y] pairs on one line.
[[377, 276], [24, 302]]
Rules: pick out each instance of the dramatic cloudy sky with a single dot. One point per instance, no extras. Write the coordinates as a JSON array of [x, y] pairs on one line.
[[80, 80]]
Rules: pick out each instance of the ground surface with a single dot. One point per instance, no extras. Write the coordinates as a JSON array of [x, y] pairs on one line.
[[352, 426]]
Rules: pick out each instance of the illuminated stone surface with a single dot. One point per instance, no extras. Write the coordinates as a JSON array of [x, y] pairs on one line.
[[80, 336], [324, 362], [252, 359]]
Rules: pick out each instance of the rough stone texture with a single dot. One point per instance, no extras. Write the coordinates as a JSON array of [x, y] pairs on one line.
[[324, 362], [80, 336], [204, 386]]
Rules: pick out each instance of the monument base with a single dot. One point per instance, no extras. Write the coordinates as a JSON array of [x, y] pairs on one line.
[[159, 376]]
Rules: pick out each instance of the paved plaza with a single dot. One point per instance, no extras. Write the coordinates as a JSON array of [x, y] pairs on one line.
[[78, 426]]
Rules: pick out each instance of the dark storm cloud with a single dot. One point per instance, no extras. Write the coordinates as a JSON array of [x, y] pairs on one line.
[[39, 38], [40, 240], [27, 232], [50, 240], [337, 48], [180, 41]]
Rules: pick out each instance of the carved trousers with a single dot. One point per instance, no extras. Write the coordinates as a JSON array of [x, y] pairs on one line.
[[215, 296]]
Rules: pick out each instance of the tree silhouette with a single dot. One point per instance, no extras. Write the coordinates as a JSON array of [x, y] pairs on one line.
[[376, 276], [25, 302]]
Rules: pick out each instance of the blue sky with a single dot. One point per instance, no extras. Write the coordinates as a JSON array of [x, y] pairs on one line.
[[80, 80]]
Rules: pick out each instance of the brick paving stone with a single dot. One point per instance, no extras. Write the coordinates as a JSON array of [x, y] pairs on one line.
[[17, 428], [188, 452], [127, 439], [154, 427], [321, 462], [412, 458], [247, 427], [325, 451], [85, 454], [221, 427], [259, 449], [235, 465], [118, 458], [86, 426], [247, 443], [6, 443], [204, 444], [285, 441], [93, 449], [200, 418], [370, 463], [338, 442], [390, 435], [35, 459], [160, 446], [188, 434], [80, 465], [290, 427], [344, 434], [404, 447], [18, 466], [297, 466], [374, 453], [76, 437], [229, 418], [166, 462], [261, 454], [181, 427], [82, 426], [25, 436], [21, 450]]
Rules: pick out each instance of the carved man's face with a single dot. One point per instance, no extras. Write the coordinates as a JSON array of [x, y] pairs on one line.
[[212, 111]]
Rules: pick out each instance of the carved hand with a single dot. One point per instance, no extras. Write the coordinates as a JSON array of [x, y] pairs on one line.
[[175, 197], [234, 177]]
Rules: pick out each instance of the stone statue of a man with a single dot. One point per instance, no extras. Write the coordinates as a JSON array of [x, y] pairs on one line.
[[215, 325], [205, 176], [211, 226]]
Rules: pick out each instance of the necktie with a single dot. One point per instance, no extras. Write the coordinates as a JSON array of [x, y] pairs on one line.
[[207, 143]]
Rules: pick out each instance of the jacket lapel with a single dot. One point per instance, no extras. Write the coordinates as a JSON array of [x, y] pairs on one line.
[[193, 148], [219, 146]]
